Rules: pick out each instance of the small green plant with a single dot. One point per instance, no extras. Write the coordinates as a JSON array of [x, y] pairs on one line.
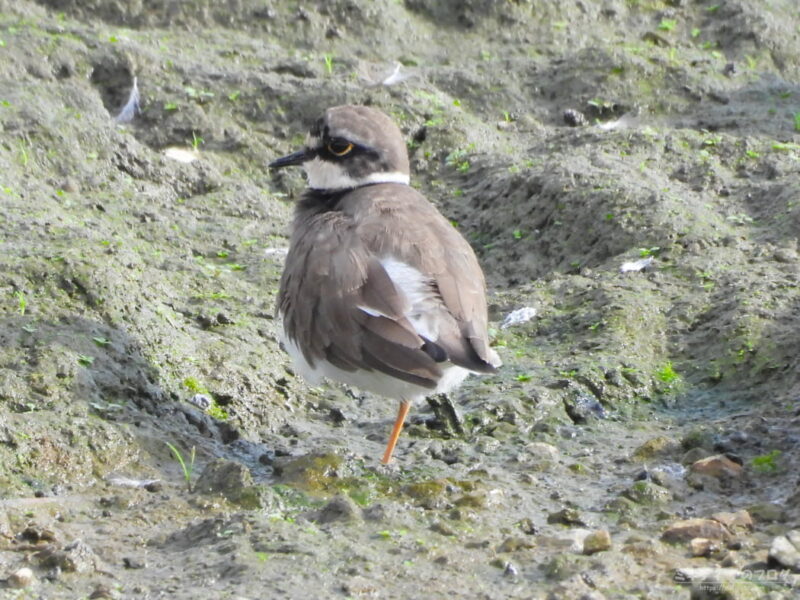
[[193, 385], [216, 411], [85, 360], [796, 118], [168, 106], [523, 377], [187, 469], [695, 32], [766, 463], [752, 154], [196, 141], [667, 24], [648, 252], [458, 159], [101, 341], [234, 96], [200, 95], [667, 373], [328, 63], [22, 303], [785, 146], [389, 534], [518, 234], [22, 156], [222, 254]]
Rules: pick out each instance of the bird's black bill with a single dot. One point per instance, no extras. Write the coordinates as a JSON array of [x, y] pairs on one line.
[[295, 158]]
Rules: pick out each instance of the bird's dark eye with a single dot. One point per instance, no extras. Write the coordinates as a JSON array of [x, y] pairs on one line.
[[339, 147]]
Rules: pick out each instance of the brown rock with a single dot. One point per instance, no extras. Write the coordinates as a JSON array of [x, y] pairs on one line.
[[658, 446], [21, 578], [684, 531], [597, 541], [719, 466], [514, 543], [740, 519], [702, 546]]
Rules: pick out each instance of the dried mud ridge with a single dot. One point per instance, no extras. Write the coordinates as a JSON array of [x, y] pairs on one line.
[[628, 174]]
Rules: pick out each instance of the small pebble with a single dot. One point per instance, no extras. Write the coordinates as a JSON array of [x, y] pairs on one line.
[[702, 546], [513, 544], [133, 563], [21, 578], [686, 530], [740, 519], [719, 466], [574, 118], [785, 551], [597, 541], [510, 570], [567, 516]]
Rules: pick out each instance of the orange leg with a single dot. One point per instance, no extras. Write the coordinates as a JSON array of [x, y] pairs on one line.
[[398, 427]]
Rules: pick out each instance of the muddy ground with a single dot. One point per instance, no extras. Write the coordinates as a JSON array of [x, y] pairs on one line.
[[566, 141]]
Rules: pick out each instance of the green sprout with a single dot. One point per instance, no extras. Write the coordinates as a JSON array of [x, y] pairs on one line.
[[186, 468], [196, 141], [785, 146], [667, 24], [796, 121], [667, 373], [216, 411], [196, 94], [648, 252], [193, 385], [23, 156], [766, 463], [328, 62], [458, 159], [85, 360], [22, 303]]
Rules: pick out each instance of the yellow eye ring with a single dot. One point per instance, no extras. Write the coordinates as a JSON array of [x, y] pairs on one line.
[[339, 148]]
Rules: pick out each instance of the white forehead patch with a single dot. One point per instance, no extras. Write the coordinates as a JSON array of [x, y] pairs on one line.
[[327, 175]]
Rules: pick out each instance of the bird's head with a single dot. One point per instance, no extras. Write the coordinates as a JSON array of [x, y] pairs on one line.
[[351, 146]]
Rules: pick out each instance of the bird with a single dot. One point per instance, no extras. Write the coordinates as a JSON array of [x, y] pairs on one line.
[[379, 290]]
